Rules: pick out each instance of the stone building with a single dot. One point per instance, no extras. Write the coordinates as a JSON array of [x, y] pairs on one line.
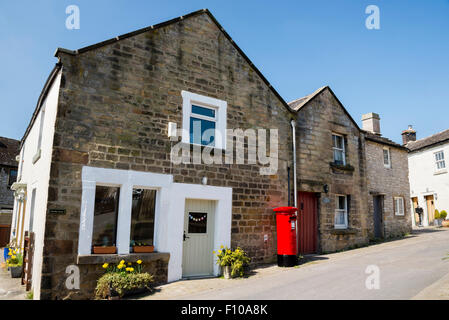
[[390, 212], [9, 149], [170, 135]]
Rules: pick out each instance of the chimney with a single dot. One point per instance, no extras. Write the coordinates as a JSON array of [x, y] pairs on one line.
[[408, 135], [371, 123]]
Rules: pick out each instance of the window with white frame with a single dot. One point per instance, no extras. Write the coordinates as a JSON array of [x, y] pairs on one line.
[[439, 160], [204, 120], [338, 147], [387, 158], [341, 212], [399, 206]]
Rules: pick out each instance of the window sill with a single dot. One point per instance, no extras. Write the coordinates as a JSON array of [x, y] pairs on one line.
[[116, 258], [343, 231], [341, 167], [440, 172], [37, 156]]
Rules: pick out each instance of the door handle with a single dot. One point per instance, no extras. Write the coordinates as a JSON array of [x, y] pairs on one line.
[[185, 237]]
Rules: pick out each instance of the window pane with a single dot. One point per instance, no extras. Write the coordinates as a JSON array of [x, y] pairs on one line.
[[341, 202], [202, 131], [12, 176], [203, 111], [105, 216], [338, 156], [338, 142], [197, 222], [340, 218], [386, 157], [142, 216]]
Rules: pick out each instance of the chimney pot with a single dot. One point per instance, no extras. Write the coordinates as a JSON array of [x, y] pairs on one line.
[[408, 135]]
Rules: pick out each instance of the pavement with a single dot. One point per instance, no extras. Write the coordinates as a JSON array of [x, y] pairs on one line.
[[10, 288], [409, 268]]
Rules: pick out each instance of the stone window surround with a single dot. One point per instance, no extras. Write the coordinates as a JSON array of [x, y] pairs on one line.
[[346, 225], [189, 98], [169, 215]]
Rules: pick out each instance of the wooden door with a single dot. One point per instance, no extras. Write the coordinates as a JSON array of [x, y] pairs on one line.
[[307, 222], [378, 216], [430, 209], [197, 256], [5, 230], [415, 215]]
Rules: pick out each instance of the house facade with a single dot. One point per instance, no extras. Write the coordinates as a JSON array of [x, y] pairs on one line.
[[390, 212], [9, 149], [429, 182], [170, 136]]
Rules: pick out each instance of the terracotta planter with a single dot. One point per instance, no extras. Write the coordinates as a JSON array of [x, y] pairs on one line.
[[16, 272], [445, 223], [143, 249], [226, 272], [104, 250]]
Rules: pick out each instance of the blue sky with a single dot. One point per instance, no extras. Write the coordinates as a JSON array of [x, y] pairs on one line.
[[400, 71]]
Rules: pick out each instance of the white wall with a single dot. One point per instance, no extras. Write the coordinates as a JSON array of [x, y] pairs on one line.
[[425, 180], [169, 216], [37, 176]]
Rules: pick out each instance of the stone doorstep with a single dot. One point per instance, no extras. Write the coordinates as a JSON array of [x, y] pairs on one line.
[[115, 258]]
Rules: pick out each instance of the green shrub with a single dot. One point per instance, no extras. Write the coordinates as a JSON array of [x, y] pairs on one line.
[[121, 283], [437, 214], [15, 259], [443, 214]]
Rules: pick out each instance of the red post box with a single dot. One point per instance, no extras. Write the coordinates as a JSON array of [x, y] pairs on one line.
[[286, 235]]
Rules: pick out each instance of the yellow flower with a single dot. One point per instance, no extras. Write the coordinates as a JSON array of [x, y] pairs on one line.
[[221, 247], [120, 266], [219, 251], [9, 253], [213, 252], [139, 261], [131, 269], [129, 263], [127, 269], [105, 265], [122, 262], [13, 257]]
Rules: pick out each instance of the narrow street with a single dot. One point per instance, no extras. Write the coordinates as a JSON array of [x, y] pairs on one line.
[[406, 266]]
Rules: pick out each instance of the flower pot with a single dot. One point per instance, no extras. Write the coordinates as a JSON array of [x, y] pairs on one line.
[[5, 253], [104, 250], [445, 223], [16, 272], [227, 272], [143, 249]]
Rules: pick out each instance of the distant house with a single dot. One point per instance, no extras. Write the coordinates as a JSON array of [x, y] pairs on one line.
[[429, 179], [9, 149]]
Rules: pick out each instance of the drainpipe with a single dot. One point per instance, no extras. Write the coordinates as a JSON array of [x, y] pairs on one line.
[[293, 123]]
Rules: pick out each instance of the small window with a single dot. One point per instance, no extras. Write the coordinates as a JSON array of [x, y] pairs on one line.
[[105, 216], [399, 206], [387, 158], [197, 222], [142, 216], [341, 212], [204, 120], [339, 149], [439, 160], [12, 176]]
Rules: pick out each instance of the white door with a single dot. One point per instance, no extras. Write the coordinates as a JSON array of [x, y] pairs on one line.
[[197, 256]]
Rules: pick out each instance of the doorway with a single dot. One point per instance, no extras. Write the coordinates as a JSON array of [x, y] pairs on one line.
[[197, 257], [378, 216], [430, 209], [307, 222], [415, 214]]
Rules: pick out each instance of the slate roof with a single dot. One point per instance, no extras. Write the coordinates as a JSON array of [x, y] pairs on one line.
[[383, 140], [434, 139], [9, 149]]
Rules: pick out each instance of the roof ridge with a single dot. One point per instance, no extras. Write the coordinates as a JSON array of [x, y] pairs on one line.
[[432, 135]]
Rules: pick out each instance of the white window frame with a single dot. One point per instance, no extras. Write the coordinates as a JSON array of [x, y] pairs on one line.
[[339, 149], [337, 210], [386, 165], [220, 107], [437, 161], [398, 212]]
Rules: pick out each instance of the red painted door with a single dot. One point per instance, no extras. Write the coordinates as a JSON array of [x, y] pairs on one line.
[[307, 222]]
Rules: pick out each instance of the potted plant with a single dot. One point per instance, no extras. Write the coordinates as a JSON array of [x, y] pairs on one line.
[[232, 263], [14, 263], [438, 220], [142, 247], [123, 279], [443, 215]]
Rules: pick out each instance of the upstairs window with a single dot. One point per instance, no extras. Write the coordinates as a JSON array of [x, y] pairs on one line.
[[338, 147], [387, 158], [341, 212], [439, 160], [204, 120]]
